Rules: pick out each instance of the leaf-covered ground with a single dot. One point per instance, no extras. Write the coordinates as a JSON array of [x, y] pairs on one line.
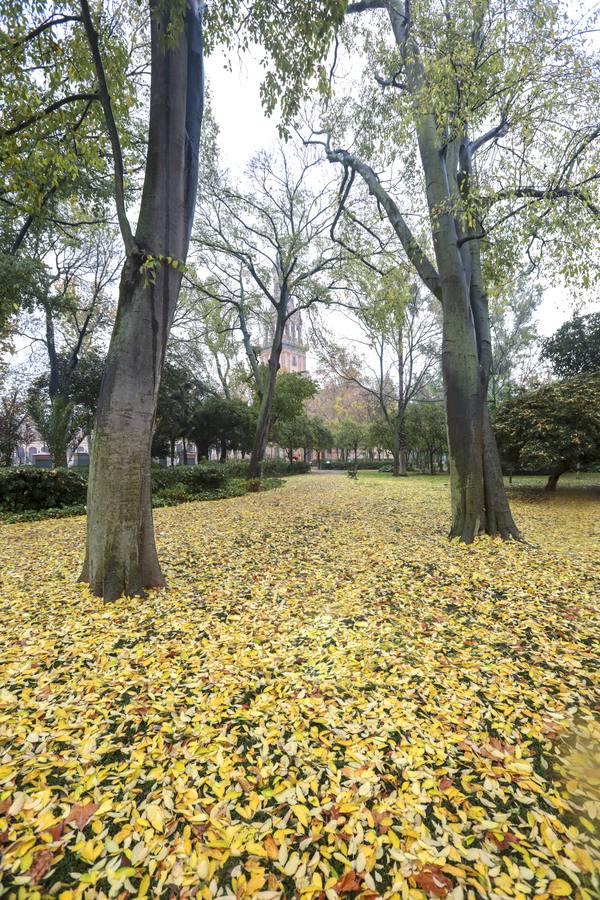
[[329, 700]]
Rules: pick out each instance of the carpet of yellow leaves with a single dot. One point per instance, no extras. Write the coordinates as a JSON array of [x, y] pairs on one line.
[[329, 700]]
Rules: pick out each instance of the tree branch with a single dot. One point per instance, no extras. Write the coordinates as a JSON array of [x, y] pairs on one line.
[[362, 5], [113, 132], [416, 255], [48, 23], [58, 104]]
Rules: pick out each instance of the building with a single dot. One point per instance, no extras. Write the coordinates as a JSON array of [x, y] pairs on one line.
[[293, 350]]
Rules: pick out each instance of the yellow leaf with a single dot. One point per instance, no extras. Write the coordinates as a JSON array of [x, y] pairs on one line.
[[156, 816], [301, 814], [559, 888]]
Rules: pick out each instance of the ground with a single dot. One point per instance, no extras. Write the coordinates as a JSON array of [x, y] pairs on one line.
[[329, 700]]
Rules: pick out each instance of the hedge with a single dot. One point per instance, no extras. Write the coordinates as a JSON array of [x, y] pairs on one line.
[[359, 464], [27, 488], [27, 493]]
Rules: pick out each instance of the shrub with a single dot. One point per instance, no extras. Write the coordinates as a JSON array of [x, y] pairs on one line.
[[194, 477], [27, 488], [359, 464], [270, 467]]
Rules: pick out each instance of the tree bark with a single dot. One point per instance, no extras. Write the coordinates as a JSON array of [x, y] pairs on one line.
[[121, 555], [560, 469], [263, 424]]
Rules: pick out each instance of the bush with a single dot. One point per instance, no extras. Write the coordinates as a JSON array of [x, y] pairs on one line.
[[195, 478], [26, 491], [27, 488], [359, 464], [270, 467]]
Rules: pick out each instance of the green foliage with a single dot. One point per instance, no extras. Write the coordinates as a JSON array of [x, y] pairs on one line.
[[28, 488], [294, 35], [53, 141], [575, 348], [291, 391], [302, 432], [426, 428], [269, 467], [229, 423], [194, 478], [66, 418], [350, 435], [556, 426], [28, 494], [178, 396], [340, 465], [13, 425]]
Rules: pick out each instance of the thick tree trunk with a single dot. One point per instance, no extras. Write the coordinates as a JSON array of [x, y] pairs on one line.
[[223, 453], [464, 417], [121, 555]]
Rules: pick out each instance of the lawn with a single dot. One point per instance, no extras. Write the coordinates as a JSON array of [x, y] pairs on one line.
[[329, 700]]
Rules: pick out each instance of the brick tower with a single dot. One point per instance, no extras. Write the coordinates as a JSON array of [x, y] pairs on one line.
[[293, 351]]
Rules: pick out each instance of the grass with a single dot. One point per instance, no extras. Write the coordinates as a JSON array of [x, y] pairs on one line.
[[330, 699]]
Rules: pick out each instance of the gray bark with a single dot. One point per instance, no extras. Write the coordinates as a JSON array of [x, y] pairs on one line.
[[121, 555]]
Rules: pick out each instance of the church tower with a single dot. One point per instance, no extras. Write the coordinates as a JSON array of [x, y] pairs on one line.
[[293, 350]]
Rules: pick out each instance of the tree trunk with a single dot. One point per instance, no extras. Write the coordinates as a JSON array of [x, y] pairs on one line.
[[172, 451], [263, 424], [431, 463], [560, 469], [121, 555], [223, 454]]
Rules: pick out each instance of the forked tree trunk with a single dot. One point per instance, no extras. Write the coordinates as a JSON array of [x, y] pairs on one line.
[[121, 555]]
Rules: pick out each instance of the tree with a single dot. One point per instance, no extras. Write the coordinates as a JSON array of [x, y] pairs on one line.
[[575, 348], [66, 417], [226, 422], [75, 310], [13, 424], [426, 425], [178, 397], [401, 334], [121, 554], [555, 427], [268, 242], [322, 438], [444, 76], [515, 337], [350, 435], [300, 432], [292, 390]]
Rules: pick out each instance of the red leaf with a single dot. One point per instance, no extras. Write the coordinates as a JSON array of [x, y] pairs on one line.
[[3, 837], [40, 866], [433, 880], [56, 831], [348, 883], [445, 783], [81, 814], [504, 842]]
